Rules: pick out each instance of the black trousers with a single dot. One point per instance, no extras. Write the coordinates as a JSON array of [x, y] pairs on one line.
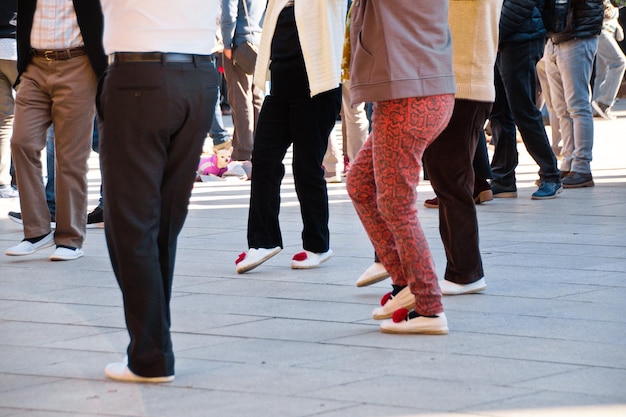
[[516, 90], [448, 161], [306, 123], [155, 119]]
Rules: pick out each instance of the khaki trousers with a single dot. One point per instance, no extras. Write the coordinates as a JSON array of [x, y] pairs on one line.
[[60, 93]]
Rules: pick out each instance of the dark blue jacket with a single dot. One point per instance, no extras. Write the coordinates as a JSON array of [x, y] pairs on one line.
[[584, 20], [521, 21], [90, 21], [8, 11]]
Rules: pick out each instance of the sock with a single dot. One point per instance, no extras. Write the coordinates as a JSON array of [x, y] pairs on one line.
[[36, 239]]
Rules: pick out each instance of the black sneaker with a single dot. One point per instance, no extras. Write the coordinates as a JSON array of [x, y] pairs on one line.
[[95, 219], [16, 216]]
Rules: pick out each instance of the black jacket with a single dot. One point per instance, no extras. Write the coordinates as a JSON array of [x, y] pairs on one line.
[[584, 20], [521, 21], [90, 21], [8, 10]]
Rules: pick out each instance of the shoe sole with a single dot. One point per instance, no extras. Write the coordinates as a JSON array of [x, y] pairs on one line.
[[426, 332], [257, 263], [65, 258], [580, 185], [505, 194], [484, 196], [99, 225], [432, 206]]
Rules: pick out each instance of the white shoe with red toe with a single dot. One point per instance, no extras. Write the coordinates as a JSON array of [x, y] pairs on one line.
[[308, 260], [247, 261], [390, 303]]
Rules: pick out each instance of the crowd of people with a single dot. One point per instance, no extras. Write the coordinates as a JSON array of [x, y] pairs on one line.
[[140, 84]]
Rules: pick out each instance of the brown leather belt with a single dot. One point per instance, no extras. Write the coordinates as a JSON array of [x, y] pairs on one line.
[[157, 57], [59, 54]]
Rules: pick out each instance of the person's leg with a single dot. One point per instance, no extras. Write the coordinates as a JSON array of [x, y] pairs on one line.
[[218, 132], [557, 95], [73, 112], [147, 200], [505, 157], [8, 74], [519, 75], [273, 138], [32, 119], [555, 130], [311, 121], [575, 61], [241, 100], [449, 163], [50, 197], [610, 66]]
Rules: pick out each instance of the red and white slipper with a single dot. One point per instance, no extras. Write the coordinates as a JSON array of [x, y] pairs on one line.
[[247, 261], [308, 260]]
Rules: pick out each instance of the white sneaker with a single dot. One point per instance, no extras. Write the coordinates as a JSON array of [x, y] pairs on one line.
[[403, 299], [27, 248], [6, 191], [247, 261], [375, 273], [451, 288], [406, 323], [66, 254], [309, 260], [119, 371]]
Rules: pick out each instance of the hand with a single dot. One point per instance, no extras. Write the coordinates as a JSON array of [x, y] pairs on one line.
[[228, 53]]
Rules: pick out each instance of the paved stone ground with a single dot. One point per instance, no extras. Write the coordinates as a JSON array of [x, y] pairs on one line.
[[547, 338]]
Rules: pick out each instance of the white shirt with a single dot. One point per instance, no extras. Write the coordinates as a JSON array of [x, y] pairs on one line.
[[55, 26], [183, 26]]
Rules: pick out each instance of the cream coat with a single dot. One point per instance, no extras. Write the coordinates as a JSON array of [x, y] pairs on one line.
[[321, 25], [474, 27]]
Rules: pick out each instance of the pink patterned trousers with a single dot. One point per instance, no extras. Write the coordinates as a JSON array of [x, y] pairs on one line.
[[382, 184]]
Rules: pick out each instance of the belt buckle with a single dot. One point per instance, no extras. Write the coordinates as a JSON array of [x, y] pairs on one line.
[[45, 55]]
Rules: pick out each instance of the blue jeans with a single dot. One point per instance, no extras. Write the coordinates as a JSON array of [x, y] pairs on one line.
[[50, 198], [218, 133], [516, 89], [610, 66], [568, 68]]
